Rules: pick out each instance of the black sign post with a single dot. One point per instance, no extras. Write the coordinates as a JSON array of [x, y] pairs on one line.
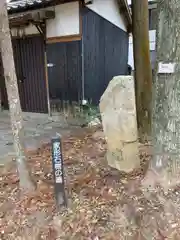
[[58, 172]]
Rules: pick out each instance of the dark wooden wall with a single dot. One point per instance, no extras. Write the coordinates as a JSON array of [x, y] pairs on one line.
[[65, 74], [105, 53], [30, 72]]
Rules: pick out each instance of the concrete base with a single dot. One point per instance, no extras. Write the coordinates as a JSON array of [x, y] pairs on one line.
[[39, 129]]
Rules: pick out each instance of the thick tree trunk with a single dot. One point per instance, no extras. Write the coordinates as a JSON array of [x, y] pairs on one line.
[[13, 98], [143, 71], [165, 165]]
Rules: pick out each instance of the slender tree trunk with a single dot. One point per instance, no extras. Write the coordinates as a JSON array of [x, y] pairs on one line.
[[13, 98], [165, 165], [143, 71]]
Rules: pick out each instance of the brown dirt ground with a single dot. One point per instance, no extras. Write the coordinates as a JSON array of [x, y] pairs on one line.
[[102, 202]]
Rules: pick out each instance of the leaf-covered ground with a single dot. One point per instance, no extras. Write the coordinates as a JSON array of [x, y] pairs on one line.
[[102, 203]]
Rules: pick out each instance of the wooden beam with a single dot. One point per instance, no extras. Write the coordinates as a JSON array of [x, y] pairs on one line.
[[34, 18], [80, 18], [69, 38], [22, 20], [142, 65], [125, 10], [47, 82]]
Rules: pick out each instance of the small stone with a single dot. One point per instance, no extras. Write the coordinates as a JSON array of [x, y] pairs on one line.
[[124, 181], [99, 135], [57, 221], [174, 225], [96, 238], [94, 122]]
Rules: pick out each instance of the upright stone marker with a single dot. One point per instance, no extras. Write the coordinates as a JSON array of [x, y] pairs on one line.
[[58, 172], [118, 112]]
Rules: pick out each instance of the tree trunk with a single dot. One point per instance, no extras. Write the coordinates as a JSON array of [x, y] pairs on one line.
[[165, 164], [143, 71], [13, 98]]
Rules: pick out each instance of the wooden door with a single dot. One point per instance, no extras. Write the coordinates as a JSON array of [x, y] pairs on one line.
[[30, 70]]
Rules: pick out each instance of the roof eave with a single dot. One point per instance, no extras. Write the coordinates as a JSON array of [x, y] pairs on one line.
[[37, 6], [124, 8]]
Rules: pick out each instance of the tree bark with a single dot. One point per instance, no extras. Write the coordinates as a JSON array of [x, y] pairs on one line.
[[165, 164], [143, 71], [13, 98]]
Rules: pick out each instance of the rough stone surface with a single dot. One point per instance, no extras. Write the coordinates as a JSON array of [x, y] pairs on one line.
[[118, 113]]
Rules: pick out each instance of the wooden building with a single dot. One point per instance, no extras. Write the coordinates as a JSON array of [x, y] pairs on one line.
[[67, 50]]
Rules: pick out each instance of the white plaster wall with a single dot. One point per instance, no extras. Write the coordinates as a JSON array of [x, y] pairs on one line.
[[109, 10], [152, 39], [66, 22], [129, 1], [152, 42], [130, 54], [152, 46]]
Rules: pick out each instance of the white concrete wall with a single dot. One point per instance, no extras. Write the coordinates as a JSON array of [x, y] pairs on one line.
[[152, 46], [109, 10], [66, 22], [152, 42], [152, 39], [129, 1], [130, 53]]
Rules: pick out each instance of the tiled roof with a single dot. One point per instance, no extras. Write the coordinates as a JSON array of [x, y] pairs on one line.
[[23, 4]]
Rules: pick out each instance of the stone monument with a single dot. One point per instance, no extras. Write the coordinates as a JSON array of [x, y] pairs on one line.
[[118, 113]]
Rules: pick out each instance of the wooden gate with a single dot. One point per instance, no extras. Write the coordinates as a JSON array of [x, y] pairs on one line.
[[30, 71]]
